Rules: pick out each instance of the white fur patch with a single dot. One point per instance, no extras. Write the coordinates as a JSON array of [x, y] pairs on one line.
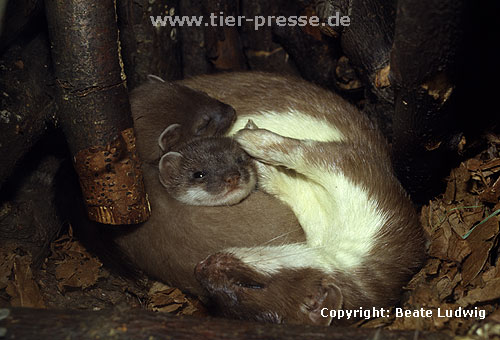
[[198, 196], [195, 196], [335, 214], [338, 217], [293, 123], [271, 259]]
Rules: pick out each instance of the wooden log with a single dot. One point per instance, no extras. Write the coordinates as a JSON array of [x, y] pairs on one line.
[[148, 49], [313, 53], [423, 56], [194, 56], [367, 41], [261, 52], [25, 323], [315, 59], [26, 99], [222, 42], [94, 109]]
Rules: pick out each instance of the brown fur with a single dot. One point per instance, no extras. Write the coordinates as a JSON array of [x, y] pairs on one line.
[[157, 105], [178, 236], [364, 158]]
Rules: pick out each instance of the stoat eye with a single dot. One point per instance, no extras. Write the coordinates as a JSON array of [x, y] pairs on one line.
[[199, 174]]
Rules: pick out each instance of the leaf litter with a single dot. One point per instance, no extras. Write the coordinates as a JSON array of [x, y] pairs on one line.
[[463, 268], [462, 271], [73, 278]]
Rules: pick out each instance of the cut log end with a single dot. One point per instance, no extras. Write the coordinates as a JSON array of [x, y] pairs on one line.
[[111, 182]]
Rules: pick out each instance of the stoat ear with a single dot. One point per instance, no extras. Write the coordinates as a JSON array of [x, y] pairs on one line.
[[154, 79], [169, 137], [327, 295], [168, 160]]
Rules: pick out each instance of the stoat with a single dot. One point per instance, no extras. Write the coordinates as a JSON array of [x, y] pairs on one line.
[[208, 171], [178, 236], [325, 160], [166, 114]]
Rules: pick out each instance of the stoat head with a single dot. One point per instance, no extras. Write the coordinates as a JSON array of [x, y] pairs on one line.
[[208, 171], [288, 295]]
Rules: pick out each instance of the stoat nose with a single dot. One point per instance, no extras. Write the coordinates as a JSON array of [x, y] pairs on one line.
[[233, 179]]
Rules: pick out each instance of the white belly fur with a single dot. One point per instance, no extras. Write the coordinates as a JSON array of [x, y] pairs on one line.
[[293, 124], [338, 217]]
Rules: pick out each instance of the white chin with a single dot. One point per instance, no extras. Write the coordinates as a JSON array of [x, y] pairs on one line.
[[197, 196], [233, 197], [202, 198]]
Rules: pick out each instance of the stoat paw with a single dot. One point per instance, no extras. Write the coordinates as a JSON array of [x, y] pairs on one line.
[[262, 144], [266, 171], [267, 178]]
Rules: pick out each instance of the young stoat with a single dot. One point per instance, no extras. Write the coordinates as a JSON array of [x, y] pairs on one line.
[[208, 171], [324, 159], [166, 114]]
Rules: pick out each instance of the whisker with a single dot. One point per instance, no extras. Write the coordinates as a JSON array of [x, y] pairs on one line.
[[280, 236], [253, 250], [308, 250]]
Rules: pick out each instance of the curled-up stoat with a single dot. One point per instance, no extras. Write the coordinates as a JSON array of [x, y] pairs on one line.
[[363, 238], [319, 155], [178, 236]]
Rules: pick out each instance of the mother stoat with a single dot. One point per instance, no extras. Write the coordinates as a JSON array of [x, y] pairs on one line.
[[327, 161]]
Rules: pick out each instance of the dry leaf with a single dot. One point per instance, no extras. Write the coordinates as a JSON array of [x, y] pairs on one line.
[[78, 273], [447, 245], [480, 241], [491, 194], [7, 256], [491, 165], [457, 186], [23, 289], [448, 281], [490, 291], [76, 267], [458, 248], [163, 298]]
